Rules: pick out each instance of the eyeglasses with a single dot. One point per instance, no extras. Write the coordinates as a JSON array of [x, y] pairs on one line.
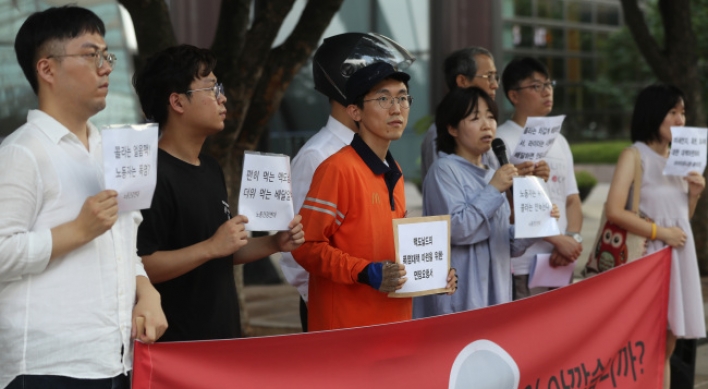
[[386, 102], [539, 87], [98, 57], [218, 90], [491, 76]]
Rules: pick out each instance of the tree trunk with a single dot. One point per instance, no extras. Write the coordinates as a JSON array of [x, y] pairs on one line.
[[676, 63], [153, 27]]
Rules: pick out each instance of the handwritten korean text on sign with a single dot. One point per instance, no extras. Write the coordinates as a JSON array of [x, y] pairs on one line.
[[539, 135], [688, 151], [130, 163], [266, 192], [532, 209]]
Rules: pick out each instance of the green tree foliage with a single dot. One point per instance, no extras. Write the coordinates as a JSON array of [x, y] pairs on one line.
[[623, 72]]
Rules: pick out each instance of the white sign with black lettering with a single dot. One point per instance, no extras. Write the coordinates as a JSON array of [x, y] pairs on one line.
[[130, 163], [537, 138], [423, 246], [689, 148], [266, 192], [532, 209]]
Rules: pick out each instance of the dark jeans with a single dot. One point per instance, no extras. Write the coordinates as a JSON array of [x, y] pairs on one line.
[[61, 382], [683, 364], [303, 314]]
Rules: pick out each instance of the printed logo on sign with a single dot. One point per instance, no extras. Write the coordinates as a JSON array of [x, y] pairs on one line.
[[227, 210]]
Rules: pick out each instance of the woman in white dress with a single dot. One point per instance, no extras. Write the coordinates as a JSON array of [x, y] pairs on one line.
[[669, 201]]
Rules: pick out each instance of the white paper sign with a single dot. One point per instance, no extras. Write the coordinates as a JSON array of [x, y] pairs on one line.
[[689, 148], [266, 192], [543, 275], [532, 209], [130, 163], [537, 138], [423, 246]]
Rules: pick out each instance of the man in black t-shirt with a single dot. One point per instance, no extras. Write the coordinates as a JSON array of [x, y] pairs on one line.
[[188, 240]]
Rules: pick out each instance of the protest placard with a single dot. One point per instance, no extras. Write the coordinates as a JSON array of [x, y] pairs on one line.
[[423, 246], [130, 163], [532, 209], [542, 274], [689, 148], [266, 192], [537, 138]]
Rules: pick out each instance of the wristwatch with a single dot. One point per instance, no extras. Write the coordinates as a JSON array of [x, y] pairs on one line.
[[578, 238]]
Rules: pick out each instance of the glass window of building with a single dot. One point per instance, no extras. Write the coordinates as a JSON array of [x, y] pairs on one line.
[[555, 38], [549, 9], [579, 11], [519, 36], [608, 14], [513, 8]]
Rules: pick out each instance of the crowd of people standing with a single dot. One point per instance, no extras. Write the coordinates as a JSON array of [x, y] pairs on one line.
[[99, 278]]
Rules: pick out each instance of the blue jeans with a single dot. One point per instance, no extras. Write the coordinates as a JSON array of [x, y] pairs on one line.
[[61, 382]]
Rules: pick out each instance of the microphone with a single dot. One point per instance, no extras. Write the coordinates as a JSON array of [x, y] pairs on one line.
[[499, 149]]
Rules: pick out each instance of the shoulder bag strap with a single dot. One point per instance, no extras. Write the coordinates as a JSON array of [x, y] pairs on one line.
[[637, 182]]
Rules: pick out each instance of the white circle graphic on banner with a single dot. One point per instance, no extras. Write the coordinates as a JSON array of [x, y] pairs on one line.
[[483, 364]]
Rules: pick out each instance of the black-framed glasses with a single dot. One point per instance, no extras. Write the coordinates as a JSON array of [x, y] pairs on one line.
[[218, 90], [491, 76], [386, 102], [538, 87], [98, 57]]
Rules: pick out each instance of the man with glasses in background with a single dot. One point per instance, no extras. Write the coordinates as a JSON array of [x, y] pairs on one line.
[[528, 87], [348, 212], [73, 293], [464, 68], [188, 241]]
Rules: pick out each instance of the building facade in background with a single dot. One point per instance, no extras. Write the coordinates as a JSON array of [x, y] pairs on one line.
[[569, 36]]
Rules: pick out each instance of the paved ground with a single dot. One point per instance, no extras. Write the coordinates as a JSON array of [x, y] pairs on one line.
[[274, 309]]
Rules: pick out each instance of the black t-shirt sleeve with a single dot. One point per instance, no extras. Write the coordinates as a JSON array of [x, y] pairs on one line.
[[158, 220]]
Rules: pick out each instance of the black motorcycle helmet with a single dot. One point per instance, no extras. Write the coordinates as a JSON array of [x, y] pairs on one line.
[[342, 55]]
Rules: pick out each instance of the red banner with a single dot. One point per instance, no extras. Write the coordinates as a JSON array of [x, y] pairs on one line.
[[605, 332]]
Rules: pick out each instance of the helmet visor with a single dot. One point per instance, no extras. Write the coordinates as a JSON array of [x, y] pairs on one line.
[[373, 48]]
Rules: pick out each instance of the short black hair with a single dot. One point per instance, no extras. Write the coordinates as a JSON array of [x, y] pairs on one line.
[[169, 71], [463, 62], [650, 109], [43, 28], [520, 69], [455, 106], [359, 100]]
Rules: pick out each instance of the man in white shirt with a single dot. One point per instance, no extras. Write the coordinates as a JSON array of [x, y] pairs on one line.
[[328, 70], [73, 292], [528, 87]]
